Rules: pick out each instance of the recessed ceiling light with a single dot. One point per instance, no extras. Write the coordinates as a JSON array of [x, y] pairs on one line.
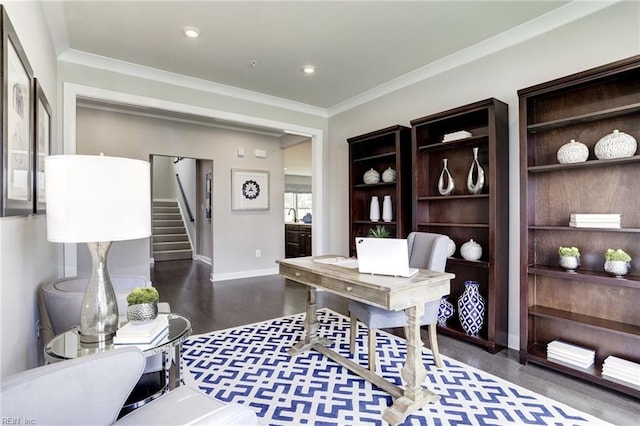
[[191, 32], [308, 69]]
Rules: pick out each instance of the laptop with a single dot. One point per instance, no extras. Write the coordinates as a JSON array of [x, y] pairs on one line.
[[384, 256]]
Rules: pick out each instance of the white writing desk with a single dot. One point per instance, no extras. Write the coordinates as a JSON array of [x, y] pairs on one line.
[[394, 293]]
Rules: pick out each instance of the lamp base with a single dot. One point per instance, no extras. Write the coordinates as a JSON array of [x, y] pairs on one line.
[[99, 312]]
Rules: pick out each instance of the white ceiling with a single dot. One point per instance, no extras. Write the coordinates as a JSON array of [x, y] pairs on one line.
[[357, 47]]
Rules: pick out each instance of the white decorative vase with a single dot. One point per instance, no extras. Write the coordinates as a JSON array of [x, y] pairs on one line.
[[451, 248], [389, 175], [475, 188], [445, 176], [570, 263], [572, 152], [374, 210], [387, 210], [618, 268], [471, 250], [615, 145], [445, 311], [371, 176]]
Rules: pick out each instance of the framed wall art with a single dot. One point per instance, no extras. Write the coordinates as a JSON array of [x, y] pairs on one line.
[[42, 139], [249, 189], [17, 124]]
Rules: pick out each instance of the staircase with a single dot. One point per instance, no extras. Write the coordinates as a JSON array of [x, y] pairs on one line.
[[170, 240]]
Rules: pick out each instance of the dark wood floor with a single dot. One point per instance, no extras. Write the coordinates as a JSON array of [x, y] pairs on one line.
[[214, 306]]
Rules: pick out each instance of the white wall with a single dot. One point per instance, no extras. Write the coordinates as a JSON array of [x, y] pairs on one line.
[[237, 234], [163, 178], [186, 169], [572, 48], [26, 258]]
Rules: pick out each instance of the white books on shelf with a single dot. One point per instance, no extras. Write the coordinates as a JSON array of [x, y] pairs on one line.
[[570, 354], [595, 220], [621, 370], [131, 334], [462, 134]]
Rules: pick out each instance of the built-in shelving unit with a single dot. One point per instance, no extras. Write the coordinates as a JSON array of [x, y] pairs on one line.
[[589, 307], [379, 150], [462, 216]]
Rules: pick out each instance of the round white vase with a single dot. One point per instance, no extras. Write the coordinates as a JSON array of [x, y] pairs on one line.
[[471, 250]]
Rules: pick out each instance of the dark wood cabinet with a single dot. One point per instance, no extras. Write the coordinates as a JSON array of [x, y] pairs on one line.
[[380, 150], [483, 217], [297, 240], [588, 308]]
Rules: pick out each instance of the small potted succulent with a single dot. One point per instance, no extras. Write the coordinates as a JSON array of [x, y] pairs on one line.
[[569, 258], [142, 305], [379, 232], [617, 262]]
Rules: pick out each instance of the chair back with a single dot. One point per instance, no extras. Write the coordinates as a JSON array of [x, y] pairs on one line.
[[428, 251]]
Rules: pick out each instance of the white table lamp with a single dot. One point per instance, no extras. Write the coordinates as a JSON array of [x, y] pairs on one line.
[[97, 200]]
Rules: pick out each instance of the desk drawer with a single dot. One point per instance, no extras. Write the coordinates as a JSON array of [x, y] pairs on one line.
[[300, 276]]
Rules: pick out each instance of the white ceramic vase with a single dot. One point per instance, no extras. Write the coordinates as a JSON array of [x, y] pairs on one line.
[[615, 145], [374, 210], [387, 209], [389, 175], [572, 152], [471, 250], [371, 176], [451, 248]]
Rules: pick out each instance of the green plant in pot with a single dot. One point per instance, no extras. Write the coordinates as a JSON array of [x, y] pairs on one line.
[[569, 258], [142, 305], [617, 262], [379, 232]]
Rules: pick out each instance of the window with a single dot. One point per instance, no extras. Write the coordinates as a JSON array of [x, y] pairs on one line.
[[300, 202]]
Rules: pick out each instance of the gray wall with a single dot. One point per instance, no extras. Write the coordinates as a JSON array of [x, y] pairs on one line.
[[583, 44], [237, 233]]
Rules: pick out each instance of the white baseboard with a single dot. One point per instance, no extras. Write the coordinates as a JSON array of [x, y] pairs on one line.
[[243, 274], [203, 259]]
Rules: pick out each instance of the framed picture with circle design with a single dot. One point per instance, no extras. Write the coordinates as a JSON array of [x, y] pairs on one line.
[[249, 189]]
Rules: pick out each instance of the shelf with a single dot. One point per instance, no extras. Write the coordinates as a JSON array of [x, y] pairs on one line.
[[460, 143], [457, 225], [589, 163], [473, 263], [585, 118], [373, 185], [596, 277], [538, 354], [368, 222], [383, 156], [452, 197], [574, 229], [459, 334], [600, 324]]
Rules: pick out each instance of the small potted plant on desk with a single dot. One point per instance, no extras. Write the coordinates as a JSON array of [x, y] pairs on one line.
[[142, 305], [569, 258], [617, 262]]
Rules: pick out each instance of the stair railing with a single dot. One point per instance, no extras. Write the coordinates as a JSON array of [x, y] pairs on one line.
[[184, 198]]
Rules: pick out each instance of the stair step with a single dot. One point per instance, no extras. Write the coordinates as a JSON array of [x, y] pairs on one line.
[[171, 245], [161, 230], [172, 255], [165, 203], [165, 238], [166, 210], [166, 216], [169, 223]]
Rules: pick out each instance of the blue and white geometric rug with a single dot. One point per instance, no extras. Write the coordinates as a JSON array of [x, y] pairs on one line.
[[249, 365]]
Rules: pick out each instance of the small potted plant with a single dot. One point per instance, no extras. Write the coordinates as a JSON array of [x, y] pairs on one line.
[[142, 305], [379, 232], [569, 258], [617, 262]]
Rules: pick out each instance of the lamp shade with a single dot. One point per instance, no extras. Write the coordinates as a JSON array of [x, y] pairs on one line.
[[93, 198]]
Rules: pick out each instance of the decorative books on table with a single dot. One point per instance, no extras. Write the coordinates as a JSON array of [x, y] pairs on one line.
[[588, 220], [143, 334], [570, 354], [621, 371]]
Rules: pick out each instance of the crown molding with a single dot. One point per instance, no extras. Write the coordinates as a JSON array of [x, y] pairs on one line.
[[140, 71], [566, 14]]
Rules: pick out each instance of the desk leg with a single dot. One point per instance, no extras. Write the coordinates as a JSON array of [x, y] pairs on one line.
[[415, 396], [311, 327]]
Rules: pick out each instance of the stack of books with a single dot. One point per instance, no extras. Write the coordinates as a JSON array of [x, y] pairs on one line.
[[620, 370], [585, 220], [570, 354], [143, 334], [462, 134]]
